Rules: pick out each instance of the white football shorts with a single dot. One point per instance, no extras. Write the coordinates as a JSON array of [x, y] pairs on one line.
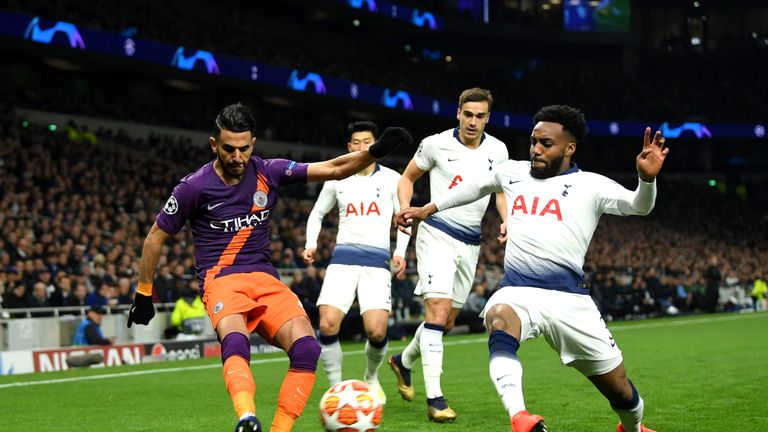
[[372, 285], [570, 323], [446, 266]]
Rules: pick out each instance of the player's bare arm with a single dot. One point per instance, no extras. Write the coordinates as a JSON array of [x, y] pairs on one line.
[[501, 207], [350, 163], [150, 255], [399, 266], [405, 185], [652, 157], [142, 311]]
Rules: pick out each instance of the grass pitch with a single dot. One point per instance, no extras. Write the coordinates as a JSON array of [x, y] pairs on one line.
[[704, 373]]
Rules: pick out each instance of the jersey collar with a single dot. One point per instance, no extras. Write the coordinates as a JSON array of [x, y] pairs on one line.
[[574, 168], [456, 135]]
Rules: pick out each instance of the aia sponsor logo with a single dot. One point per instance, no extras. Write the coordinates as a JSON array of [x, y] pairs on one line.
[[533, 206]]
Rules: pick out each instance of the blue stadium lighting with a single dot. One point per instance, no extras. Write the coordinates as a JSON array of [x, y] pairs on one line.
[[300, 84], [423, 19], [698, 129], [759, 131], [435, 106], [149, 51], [36, 34], [370, 5], [392, 100], [188, 63]]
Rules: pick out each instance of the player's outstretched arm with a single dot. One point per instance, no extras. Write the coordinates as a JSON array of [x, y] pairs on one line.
[[143, 310], [350, 163], [652, 157]]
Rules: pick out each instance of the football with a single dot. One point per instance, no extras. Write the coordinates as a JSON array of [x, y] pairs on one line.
[[350, 406]]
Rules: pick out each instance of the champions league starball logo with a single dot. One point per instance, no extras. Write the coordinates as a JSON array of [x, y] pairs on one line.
[[171, 206]]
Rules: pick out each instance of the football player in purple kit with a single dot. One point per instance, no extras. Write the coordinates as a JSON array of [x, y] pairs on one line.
[[228, 203]]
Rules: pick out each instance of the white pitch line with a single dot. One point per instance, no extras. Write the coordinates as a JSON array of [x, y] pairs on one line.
[[346, 353]]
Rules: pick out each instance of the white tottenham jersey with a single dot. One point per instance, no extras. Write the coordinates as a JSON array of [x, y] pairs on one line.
[[550, 222], [451, 163], [366, 205]]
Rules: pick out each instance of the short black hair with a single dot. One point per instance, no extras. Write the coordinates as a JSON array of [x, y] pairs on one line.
[[234, 118], [362, 126], [572, 119]]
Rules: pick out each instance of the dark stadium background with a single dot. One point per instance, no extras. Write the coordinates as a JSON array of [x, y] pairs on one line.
[[76, 201]]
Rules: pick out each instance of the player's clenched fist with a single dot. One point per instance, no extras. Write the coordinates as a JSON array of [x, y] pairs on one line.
[[142, 311]]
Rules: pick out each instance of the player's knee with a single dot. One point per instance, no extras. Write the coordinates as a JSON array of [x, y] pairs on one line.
[[328, 327], [376, 335], [501, 317], [303, 354]]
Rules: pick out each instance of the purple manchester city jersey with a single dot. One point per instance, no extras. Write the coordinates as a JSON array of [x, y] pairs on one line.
[[230, 224]]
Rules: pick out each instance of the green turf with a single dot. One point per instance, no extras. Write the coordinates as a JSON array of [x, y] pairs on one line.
[[706, 373]]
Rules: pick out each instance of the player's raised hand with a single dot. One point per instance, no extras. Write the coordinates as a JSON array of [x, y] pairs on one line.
[[308, 255], [398, 264], [142, 311], [651, 158], [390, 139]]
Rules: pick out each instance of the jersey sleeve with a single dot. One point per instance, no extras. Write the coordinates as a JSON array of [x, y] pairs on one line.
[[616, 200], [179, 207], [325, 202], [284, 171], [426, 154], [473, 189]]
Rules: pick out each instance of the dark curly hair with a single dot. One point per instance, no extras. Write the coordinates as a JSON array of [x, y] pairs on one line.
[[573, 120]]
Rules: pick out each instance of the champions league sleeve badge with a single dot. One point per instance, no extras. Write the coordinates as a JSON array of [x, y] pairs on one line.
[[289, 168], [172, 206]]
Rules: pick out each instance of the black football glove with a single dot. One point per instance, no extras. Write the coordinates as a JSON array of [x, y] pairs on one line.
[[141, 311], [389, 140]]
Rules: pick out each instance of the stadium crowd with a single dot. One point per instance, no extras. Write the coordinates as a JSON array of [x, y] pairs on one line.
[[76, 204], [275, 33]]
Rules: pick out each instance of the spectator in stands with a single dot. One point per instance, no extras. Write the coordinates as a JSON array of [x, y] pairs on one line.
[[188, 317], [100, 297], [713, 278], [89, 330]]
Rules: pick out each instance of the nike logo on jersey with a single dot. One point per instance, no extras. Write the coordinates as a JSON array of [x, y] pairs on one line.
[[213, 206], [514, 181], [452, 160]]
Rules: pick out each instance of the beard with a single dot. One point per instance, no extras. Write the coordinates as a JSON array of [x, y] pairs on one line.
[[551, 168], [230, 171]]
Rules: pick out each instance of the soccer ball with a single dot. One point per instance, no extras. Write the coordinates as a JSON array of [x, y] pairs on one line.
[[350, 406]]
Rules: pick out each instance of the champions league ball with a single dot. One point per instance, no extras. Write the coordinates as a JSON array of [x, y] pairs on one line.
[[350, 406]]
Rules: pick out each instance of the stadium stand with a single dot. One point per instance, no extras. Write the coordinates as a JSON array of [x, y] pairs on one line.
[[76, 201]]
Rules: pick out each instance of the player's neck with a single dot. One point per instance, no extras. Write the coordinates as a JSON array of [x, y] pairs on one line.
[[470, 143], [367, 170]]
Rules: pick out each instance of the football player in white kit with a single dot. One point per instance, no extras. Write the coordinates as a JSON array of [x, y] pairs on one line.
[[554, 210], [360, 263], [448, 244]]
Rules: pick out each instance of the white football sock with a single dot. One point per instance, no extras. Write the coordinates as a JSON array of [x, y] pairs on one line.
[[331, 357], [375, 358], [507, 375], [431, 346], [412, 352], [631, 418]]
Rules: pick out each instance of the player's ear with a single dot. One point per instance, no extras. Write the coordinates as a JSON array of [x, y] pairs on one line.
[[570, 149], [349, 147], [458, 113], [212, 142]]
